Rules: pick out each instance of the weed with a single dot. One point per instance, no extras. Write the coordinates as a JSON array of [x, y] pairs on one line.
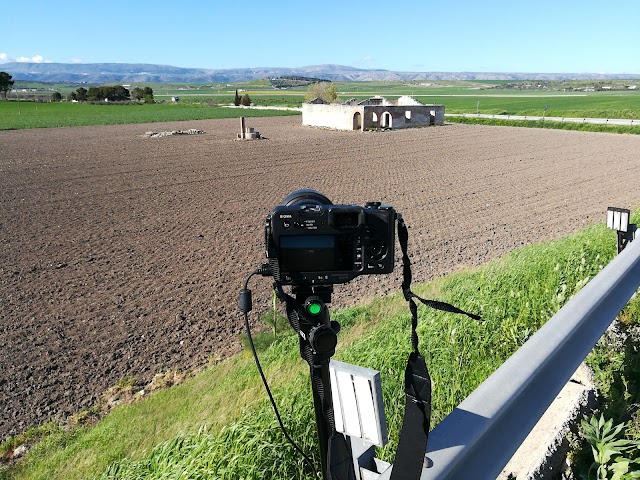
[[613, 456]]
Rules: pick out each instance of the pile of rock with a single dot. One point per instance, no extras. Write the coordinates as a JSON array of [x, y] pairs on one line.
[[191, 131]]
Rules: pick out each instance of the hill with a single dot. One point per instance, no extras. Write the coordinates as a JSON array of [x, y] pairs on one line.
[[97, 73]]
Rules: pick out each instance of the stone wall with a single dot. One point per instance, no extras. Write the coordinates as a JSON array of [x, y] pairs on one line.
[[335, 116], [403, 116]]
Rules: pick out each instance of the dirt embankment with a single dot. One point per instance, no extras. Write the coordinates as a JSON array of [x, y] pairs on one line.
[[122, 255]]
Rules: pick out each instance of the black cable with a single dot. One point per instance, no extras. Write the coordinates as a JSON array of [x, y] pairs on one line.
[[264, 379]]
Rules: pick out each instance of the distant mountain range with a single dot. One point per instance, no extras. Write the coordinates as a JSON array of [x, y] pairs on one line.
[[99, 73]]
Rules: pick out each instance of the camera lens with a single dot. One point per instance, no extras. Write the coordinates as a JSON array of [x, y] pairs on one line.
[[305, 196]]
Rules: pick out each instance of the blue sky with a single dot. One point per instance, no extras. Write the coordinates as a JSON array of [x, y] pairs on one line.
[[481, 36]]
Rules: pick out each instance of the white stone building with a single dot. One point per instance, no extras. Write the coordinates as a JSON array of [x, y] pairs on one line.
[[374, 113]]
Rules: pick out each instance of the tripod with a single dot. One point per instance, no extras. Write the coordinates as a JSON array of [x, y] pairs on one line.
[[308, 314]]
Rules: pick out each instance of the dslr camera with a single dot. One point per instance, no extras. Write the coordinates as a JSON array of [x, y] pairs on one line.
[[312, 242]]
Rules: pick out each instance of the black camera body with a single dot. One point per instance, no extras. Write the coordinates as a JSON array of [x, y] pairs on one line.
[[312, 242]]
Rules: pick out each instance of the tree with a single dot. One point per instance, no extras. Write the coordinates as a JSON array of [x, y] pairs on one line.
[[323, 90], [81, 94], [137, 93], [245, 100], [112, 93], [119, 93], [56, 97], [5, 83], [147, 94], [236, 101], [94, 94]]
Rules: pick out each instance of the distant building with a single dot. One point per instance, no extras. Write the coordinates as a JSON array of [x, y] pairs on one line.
[[374, 113]]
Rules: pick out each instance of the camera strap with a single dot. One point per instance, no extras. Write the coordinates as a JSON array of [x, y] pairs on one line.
[[412, 444]]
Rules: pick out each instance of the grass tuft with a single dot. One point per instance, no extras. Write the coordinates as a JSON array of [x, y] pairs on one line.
[[582, 127]]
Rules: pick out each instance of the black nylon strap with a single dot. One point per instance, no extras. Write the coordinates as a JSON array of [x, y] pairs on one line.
[[445, 307], [339, 459], [403, 238], [412, 444]]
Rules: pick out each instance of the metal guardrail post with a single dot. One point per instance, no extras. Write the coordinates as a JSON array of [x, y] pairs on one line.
[[481, 435]]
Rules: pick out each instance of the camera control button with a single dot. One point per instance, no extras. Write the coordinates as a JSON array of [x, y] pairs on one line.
[[286, 224]]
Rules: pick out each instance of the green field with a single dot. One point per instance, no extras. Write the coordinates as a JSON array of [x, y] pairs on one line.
[[461, 97], [200, 101], [19, 115], [626, 105], [582, 127]]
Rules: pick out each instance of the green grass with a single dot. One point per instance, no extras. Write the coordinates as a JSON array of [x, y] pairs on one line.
[[199, 101], [218, 424], [595, 105], [624, 105], [583, 127], [19, 115]]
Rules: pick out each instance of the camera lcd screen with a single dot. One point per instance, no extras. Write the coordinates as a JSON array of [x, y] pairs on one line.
[[310, 253]]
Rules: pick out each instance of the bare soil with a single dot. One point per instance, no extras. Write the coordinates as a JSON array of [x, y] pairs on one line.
[[122, 256]]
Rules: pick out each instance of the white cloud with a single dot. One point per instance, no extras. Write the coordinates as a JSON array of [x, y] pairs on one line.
[[77, 60], [34, 59], [3, 57]]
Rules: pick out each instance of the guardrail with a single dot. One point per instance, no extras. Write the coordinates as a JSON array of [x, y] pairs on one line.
[[477, 440], [481, 435]]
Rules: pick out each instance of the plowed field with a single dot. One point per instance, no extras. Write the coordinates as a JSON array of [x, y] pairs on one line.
[[122, 255]]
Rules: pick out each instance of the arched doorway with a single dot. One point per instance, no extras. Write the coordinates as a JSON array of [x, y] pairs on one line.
[[357, 121], [385, 120]]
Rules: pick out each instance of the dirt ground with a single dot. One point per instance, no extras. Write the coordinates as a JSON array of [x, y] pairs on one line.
[[122, 255]]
